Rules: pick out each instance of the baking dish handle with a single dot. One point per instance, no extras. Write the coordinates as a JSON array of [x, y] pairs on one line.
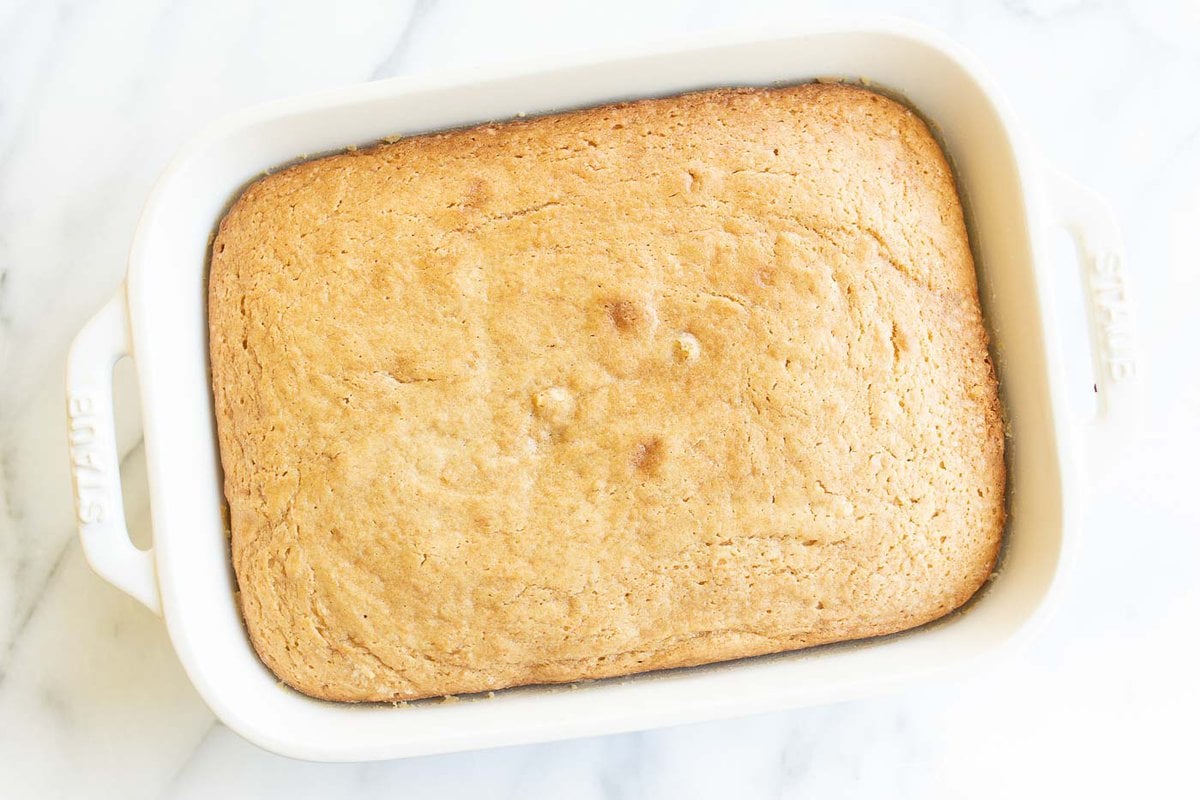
[[95, 462], [1090, 221]]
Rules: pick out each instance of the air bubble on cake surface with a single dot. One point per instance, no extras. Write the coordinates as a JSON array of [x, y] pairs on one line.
[[648, 455], [686, 348], [631, 317], [555, 405], [624, 315]]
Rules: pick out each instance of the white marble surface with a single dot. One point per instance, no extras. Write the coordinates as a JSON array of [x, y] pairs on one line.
[[95, 97]]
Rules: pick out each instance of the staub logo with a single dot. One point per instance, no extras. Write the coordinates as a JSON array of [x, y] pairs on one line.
[[86, 462], [1111, 302]]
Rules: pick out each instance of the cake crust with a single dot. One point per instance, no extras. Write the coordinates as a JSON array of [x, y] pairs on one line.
[[642, 386]]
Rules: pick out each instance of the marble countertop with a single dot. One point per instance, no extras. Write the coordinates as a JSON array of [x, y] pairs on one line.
[[95, 97]]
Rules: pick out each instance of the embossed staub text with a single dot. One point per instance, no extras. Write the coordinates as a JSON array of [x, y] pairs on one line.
[[1114, 317], [86, 461]]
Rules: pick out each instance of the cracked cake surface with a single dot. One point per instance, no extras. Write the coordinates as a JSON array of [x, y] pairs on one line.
[[641, 386]]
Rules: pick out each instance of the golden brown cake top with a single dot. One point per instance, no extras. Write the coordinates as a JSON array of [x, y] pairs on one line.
[[642, 386]]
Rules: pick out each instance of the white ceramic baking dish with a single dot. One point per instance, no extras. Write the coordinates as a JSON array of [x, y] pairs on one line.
[[158, 316]]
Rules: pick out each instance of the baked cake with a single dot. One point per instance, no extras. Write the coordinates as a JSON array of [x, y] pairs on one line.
[[642, 386]]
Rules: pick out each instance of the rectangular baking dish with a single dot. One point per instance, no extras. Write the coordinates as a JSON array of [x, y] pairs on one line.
[[158, 317]]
